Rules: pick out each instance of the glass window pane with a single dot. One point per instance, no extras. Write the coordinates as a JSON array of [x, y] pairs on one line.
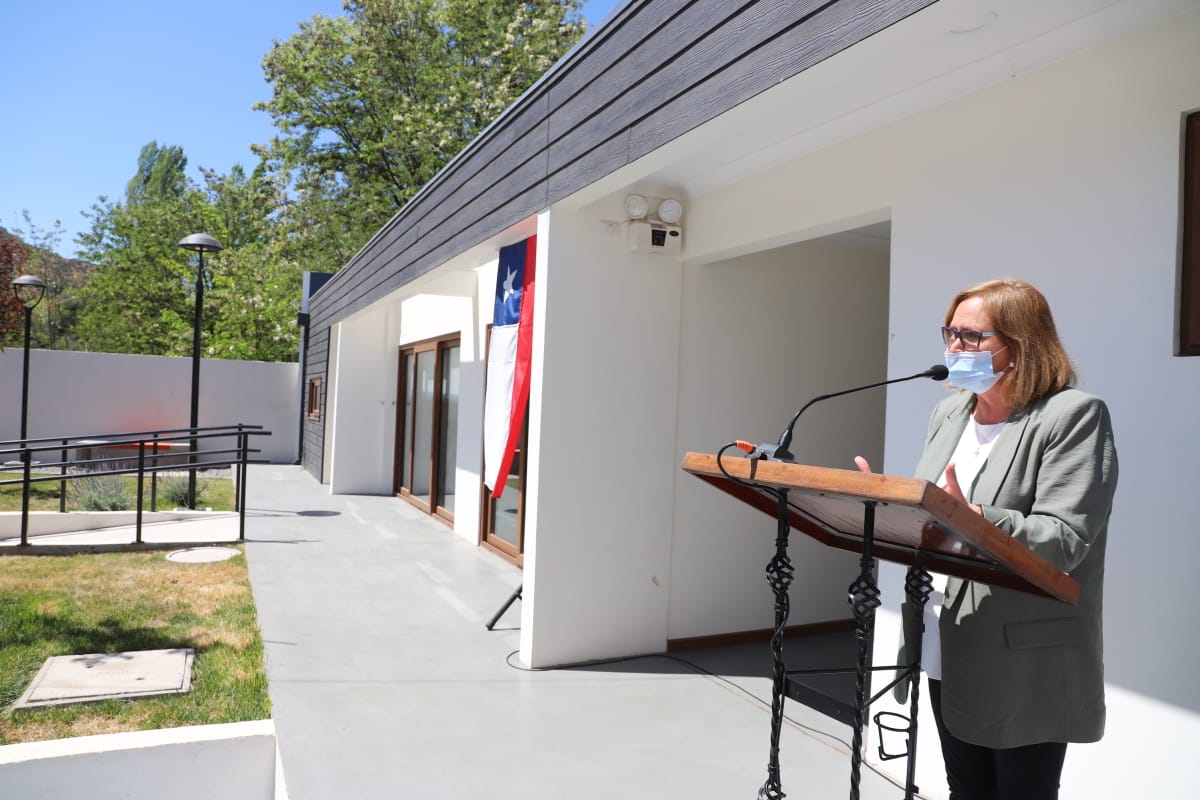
[[448, 434], [504, 515], [422, 434], [406, 447]]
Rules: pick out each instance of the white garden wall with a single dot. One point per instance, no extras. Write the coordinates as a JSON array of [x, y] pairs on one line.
[[75, 394]]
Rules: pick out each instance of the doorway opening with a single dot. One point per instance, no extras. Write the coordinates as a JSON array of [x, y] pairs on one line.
[[427, 425]]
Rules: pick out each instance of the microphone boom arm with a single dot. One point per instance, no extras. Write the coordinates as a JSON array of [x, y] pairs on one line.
[[781, 453]]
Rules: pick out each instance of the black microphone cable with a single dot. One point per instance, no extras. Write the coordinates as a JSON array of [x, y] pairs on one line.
[[780, 452]]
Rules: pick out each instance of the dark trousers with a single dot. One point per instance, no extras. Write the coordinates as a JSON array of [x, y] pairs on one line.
[[1031, 772]]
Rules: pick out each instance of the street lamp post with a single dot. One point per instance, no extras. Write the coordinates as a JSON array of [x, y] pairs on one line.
[[28, 290], [199, 243]]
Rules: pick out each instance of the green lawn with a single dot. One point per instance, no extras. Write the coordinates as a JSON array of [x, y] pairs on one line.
[[214, 493], [114, 602]]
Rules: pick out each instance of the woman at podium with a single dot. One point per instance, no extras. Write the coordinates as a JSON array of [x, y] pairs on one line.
[[1014, 677]]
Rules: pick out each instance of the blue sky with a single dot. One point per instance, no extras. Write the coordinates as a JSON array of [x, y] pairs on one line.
[[87, 84]]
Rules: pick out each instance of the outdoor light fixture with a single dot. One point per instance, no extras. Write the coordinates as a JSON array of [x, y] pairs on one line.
[[29, 290], [670, 211], [199, 243], [636, 206]]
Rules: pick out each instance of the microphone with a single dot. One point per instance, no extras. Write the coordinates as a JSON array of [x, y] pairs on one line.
[[780, 452]]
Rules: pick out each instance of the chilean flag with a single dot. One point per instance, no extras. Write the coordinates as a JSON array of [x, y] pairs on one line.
[[509, 359]]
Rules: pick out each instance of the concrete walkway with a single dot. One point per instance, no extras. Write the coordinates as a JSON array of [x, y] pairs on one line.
[[385, 683], [208, 528]]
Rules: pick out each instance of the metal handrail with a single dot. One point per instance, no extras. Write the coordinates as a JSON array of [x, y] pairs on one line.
[[237, 457], [136, 434]]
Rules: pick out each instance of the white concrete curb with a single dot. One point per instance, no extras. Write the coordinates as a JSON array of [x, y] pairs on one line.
[[235, 761]]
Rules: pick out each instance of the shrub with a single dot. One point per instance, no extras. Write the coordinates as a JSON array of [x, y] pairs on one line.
[[103, 493], [174, 491]]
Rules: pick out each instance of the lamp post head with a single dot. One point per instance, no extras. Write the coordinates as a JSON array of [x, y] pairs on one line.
[[29, 290], [201, 243]]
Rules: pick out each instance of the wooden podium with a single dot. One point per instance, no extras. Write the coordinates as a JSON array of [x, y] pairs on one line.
[[903, 520]]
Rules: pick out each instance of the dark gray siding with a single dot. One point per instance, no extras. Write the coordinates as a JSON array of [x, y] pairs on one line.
[[657, 70]]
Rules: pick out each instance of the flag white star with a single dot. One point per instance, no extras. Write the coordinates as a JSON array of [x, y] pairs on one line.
[[508, 285]]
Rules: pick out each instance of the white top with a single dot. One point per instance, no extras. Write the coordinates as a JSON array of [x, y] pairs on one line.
[[969, 457]]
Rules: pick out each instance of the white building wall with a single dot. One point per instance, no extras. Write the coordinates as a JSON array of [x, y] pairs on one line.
[[761, 335], [428, 316], [1068, 177], [602, 446], [364, 388], [75, 394]]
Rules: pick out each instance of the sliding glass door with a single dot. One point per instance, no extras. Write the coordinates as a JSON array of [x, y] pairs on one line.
[[427, 424]]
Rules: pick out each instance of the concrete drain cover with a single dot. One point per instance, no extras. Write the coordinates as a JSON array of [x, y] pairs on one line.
[[201, 555], [102, 676]]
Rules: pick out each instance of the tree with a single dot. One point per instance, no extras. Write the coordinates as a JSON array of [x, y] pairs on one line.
[[160, 174], [13, 253], [371, 104], [53, 323], [138, 300], [142, 297], [256, 292]]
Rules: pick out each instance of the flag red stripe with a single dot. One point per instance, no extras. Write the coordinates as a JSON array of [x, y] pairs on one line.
[[522, 367]]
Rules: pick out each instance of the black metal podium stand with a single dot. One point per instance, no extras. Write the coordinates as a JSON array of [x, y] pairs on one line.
[[902, 520]]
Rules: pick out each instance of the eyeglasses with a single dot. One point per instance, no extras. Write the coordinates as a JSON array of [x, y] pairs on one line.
[[969, 339]]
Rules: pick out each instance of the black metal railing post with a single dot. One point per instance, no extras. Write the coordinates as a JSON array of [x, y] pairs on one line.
[[27, 464], [62, 485], [141, 485], [154, 477], [240, 488], [236, 467]]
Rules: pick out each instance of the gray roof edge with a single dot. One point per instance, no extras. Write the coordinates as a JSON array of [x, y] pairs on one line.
[[590, 41]]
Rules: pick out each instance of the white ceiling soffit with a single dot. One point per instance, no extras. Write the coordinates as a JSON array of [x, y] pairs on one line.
[[875, 238], [945, 51]]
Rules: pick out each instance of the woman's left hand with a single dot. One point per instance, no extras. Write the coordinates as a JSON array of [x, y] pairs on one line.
[[955, 491]]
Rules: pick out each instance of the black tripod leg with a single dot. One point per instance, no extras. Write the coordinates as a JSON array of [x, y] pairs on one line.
[[512, 598]]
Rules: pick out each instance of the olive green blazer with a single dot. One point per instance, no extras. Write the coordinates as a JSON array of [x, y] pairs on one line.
[[1020, 669]]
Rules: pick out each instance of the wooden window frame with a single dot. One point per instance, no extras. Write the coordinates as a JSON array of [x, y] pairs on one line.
[[1189, 278], [509, 551], [487, 506], [438, 345], [314, 398]]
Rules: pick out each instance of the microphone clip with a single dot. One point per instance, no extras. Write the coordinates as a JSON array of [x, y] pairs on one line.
[[764, 452]]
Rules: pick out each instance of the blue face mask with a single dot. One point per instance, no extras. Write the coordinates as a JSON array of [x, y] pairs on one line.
[[973, 371]]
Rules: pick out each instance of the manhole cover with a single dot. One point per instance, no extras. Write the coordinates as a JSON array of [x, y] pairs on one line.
[[100, 676], [201, 555]]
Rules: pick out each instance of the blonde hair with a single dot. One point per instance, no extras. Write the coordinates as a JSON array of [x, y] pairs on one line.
[[1021, 318]]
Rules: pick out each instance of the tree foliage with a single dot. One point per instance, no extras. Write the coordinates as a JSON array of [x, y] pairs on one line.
[[160, 174], [142, 298], [371, 104], [13, 253], [139, 299], [54, 320], [256, 292]]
